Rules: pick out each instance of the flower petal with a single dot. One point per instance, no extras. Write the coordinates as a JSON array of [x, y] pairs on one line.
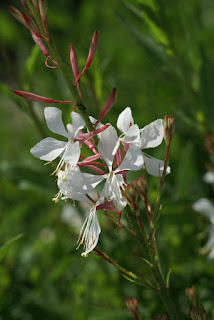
[[125, 120], [48, 149], [133, 160], [204, 206], [108, 145], [90, 231], [72, 155], [53, 118], [77, 122], [154, 166], [132, 135], [152, 134]]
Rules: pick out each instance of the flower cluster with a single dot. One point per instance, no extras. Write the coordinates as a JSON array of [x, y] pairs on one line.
[[112, 157]]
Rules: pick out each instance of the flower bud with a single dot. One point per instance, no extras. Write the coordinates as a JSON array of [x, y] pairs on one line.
[[18, 15], [191, 293], [141, 186], [130, 195], [43, 13], [198, 313], [169, 127], [132, 306], [160, 316]]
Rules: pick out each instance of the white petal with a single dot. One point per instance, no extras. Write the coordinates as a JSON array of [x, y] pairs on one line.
[[154, 166], [108, 145], [133, 160], [90, 231], [91, 181], [48, 149], [53, 118], [152, 134], [77, 122], [132, 135], [117, 184], [72, 154], [125, 120], [204, 206]]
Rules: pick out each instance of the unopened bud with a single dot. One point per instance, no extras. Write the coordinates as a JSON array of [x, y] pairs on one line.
[[35, 4], [130, 195], [18, 15], [43, 13], [160, 316], [132, 306], [198, 313], [169, 127], [191, 293], [141, 186]]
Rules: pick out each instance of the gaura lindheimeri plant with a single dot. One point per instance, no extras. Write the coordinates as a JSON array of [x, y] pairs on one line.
[[111, 155]]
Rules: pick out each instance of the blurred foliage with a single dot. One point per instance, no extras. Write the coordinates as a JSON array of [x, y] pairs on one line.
[[159, 54]]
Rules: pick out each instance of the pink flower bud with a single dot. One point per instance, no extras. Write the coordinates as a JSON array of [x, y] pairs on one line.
[[24, 3], [92, 50], [109, 102], [35, 97], [30, 24], [18, 15], [74, 61]]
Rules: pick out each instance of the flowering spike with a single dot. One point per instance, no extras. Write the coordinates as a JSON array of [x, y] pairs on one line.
[[91, 54], [35, 97], [18, 15], [169, 127], [109, 102]]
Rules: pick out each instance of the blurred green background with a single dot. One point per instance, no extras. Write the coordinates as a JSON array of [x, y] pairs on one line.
[[160, 56]]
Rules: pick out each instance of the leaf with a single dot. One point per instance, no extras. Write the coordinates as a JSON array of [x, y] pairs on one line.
[[5, 248]]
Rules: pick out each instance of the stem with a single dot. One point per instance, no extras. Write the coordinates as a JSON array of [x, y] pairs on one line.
[[156, 212]]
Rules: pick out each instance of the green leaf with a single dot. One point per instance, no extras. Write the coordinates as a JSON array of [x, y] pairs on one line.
[[5, 248]]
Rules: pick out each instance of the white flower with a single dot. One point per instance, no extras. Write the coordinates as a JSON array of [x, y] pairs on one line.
[[49, 148], [205, 206], [90, 231], [108, 145], [150, 136]]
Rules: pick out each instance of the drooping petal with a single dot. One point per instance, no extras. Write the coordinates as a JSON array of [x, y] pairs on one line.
[[133, 160], [125, 120], [152, 134], [154, 166], [53, 118], [77, 122], [90, 231], [132, 135], [108, 145], [48, 149], [72, 154]]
